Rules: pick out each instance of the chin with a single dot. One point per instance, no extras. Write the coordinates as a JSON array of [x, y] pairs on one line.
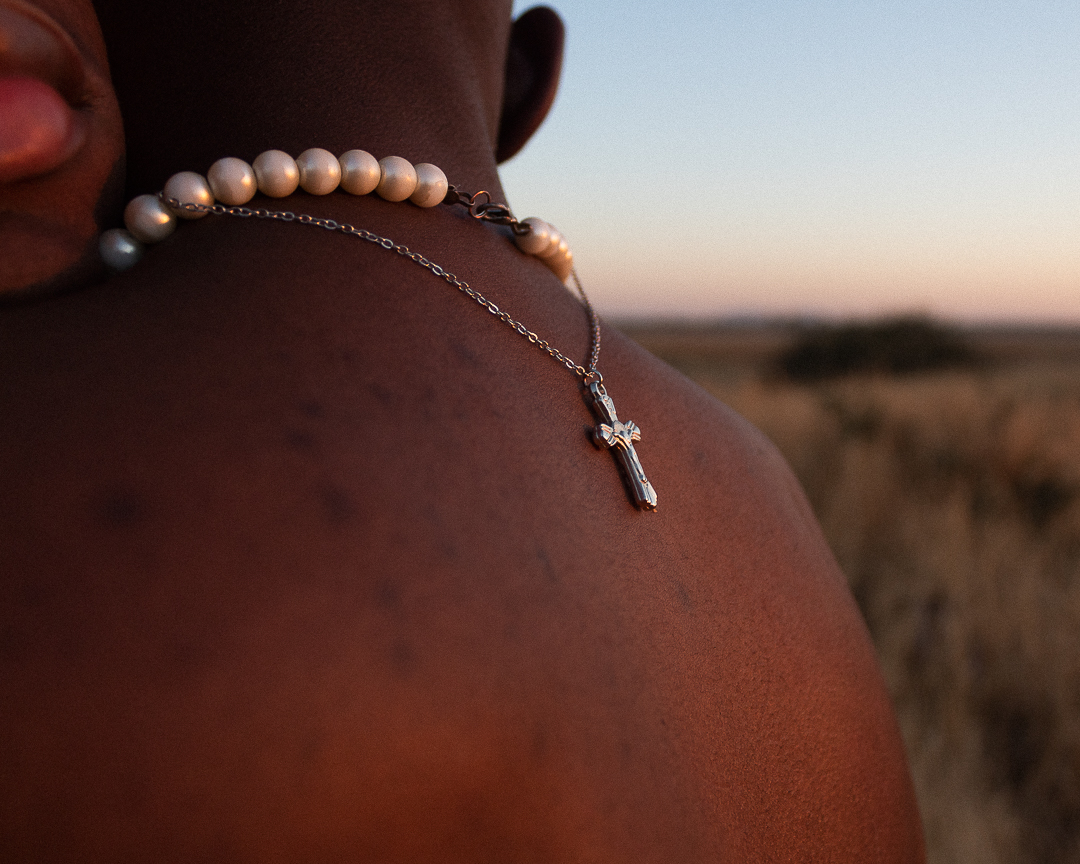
[[38, 258]]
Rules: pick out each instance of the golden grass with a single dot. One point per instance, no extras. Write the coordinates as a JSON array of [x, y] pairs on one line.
[[952, 502]]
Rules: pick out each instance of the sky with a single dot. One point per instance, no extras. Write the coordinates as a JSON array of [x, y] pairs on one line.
[[816, 158]]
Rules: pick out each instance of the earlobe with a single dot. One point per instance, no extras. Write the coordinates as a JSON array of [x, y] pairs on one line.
[[533, 64]]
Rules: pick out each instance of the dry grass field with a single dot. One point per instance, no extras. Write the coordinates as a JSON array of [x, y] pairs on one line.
[[952, 501]]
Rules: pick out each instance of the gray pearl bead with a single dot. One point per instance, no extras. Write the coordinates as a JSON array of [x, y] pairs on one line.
[[119, 250]]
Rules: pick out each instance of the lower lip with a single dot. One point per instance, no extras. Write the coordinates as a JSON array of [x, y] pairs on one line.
[[38, 130]]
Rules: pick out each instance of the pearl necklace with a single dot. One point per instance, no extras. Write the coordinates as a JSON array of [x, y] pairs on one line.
[[233, 182]]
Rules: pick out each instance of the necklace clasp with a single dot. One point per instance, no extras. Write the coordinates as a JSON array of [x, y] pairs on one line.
[[480, 206]]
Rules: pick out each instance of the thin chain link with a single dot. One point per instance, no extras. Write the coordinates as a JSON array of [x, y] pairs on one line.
[[587, 373]]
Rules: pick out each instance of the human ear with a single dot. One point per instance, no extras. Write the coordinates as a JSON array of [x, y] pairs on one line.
[[533, 64]]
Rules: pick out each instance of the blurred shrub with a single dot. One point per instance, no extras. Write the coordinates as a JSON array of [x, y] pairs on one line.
[[952, 501], [897, 346]]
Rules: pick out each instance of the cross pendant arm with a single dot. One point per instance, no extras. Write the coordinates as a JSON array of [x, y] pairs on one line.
[[619, 437]]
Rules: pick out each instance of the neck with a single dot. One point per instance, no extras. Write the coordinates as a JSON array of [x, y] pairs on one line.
[[201, 80]]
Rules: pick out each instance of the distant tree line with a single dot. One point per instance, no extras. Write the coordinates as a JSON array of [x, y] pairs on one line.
[[897, 346]]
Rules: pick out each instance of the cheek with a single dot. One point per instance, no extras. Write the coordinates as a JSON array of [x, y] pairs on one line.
[[34, 254], [61, 144], [49, 225]]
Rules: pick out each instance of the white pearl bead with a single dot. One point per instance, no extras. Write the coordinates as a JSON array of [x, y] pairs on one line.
[[431, 185], [232, 181], [538, 238], [148, 220], [360, 172], [119, 250], [398, 178], [276, 173], [561, 265], [554, 240], [187, 187], [320, 171]]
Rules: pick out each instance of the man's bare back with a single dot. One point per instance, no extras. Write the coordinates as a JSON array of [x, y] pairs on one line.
[[307, 558]]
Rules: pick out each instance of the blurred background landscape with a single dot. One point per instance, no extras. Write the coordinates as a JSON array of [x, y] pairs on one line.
[[944, 466], [857, 222]]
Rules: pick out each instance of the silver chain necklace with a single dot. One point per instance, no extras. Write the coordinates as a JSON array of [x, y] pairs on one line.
[[610, 433]]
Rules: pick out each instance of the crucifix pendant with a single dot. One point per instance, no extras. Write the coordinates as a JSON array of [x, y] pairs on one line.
[[619, 437]]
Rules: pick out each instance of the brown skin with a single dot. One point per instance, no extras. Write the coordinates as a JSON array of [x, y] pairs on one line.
[[306, 558], [57, 196]]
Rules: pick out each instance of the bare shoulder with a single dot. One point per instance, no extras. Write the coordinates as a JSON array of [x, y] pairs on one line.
[[281, 578], [777, 682]]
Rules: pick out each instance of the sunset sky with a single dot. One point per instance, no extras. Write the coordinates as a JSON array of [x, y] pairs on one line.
[[816, 157]]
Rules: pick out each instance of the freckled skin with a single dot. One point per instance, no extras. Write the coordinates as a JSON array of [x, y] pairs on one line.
[[307, 558]]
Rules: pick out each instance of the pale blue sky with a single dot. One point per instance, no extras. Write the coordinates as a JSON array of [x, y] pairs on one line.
[[817, 157]]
